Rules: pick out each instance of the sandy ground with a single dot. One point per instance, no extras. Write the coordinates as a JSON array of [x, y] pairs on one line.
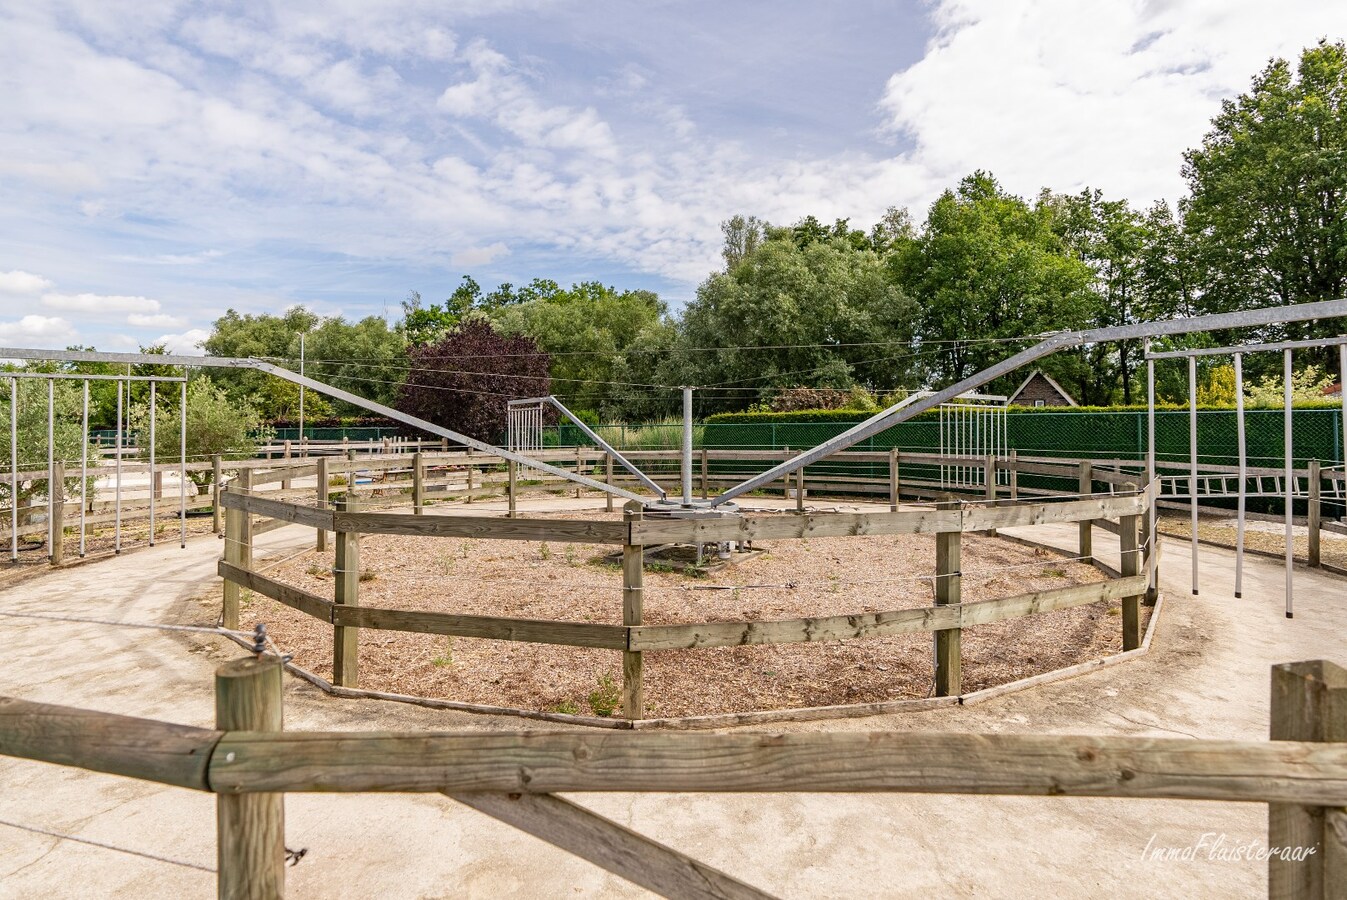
[[1206, 676], [792, 579], [1268, 537]]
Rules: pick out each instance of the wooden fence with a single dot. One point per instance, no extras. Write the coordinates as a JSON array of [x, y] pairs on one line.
[[635, 533], [250, 763]]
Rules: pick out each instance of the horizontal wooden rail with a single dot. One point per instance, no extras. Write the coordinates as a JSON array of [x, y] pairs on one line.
[[486, 527], [536, 631], [103, 742], [293, 597], [278, 509], [1020, 764], [652, 530], [881, 624]]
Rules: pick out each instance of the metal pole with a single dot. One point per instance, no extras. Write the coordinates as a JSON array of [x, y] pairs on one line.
[[14, 470], [154, 409], [182, 471], [1154, 532], [687, 446], [84, 465], [117, 493], [301, 395], [1192, 457], [1243, 474], [51, 463], [1290, 473]]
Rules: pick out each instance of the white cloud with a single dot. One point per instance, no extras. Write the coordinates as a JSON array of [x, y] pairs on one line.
[[100, 304], [1064, 94], [479, 256], [43, 332], [159, 320], [184, 343], [20, 282]]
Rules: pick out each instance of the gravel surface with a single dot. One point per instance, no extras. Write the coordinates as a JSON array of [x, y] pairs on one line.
[[572, 582]]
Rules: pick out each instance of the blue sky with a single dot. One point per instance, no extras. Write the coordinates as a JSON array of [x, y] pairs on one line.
[[161, 162]]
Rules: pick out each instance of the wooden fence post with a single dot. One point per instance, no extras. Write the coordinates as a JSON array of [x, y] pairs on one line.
[[321, 490], [948, 547], [893, 480], [1314, 512], [250, 827], [1309, 703], [706, 480], [608, 479], [56, 488], [346, 572], [215, 474], [1014, 476], [579, 466], [285, 460], [467, 498], [633, 579], [1130, 564], [238, 547], [512, 479], [418, 483], [1086, 526], [799, 488], [989, 478]]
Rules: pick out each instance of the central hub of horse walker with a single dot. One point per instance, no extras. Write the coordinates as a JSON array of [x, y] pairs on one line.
[[701, 557]]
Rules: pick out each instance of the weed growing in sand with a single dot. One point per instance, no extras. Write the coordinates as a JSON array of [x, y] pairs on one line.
[[1055, 573], [604, 699], [544, 551], [567, 707], [447, 657], [368, 574]]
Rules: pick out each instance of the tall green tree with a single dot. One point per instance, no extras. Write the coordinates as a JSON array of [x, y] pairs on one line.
[[588, 330], [808, 305], [987, 269], [1267, 213]]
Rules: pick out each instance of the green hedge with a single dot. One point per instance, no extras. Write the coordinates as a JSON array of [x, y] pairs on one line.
[[852, 416]]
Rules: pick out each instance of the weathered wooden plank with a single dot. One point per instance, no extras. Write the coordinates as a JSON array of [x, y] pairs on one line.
[[293, 597], [609, 845], [285, 473], [103, 742], [922, 762], [1101, 507], [278, 509], [484, 527], [986, 611], [749, 528], [786, 631], [880, 624], [534, 631]]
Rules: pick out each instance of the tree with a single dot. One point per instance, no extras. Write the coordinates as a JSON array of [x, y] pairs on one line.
[[216, 424], [989, 270], [464, 380], [1267, 214], [588, 331], [366, 358], [820, 312]]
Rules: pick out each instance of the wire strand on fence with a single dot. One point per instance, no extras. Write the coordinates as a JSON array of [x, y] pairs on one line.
[[92, 843]]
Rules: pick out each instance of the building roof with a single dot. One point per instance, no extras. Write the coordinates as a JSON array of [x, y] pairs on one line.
[[1071, 401]]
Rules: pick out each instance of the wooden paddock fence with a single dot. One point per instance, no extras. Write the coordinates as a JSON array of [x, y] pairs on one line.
[[250, 763], [1121, 511]]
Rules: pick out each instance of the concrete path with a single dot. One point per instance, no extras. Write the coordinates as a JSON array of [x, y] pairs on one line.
[[1206, 676]]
